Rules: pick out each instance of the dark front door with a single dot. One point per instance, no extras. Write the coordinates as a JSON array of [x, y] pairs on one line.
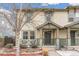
[[47, 37], [72, 38]]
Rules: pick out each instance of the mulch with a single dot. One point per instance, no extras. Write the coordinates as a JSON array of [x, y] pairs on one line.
[[25, 54]]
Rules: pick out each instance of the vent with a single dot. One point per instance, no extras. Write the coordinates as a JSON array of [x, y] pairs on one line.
[[71, 19]]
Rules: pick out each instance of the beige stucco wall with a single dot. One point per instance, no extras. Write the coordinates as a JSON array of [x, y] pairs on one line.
[[63, 33], [36, 21], [39, 19], [77, 34], [60, 17], [39, 34]]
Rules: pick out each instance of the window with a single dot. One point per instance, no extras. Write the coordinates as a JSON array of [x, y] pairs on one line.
[[71, 19], [71, 15], [77, 13], [29, 15], [25, 35], [32, 35], [29, 35], [48, 15]]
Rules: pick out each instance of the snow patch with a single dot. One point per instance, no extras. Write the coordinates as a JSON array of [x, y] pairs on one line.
[[68, 53]]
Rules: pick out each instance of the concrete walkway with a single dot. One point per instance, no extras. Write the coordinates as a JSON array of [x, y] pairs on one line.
[[53, 53], [63, 52], [68, 53]]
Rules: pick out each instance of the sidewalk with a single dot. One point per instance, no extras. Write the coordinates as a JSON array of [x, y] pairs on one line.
[[53, 53], [68, 53]]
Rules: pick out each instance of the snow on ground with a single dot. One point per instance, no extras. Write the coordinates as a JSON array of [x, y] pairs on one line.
[[53, 53], [68, 53]]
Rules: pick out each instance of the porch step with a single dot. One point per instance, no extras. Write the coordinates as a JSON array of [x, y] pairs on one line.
[[74, 48], [50, 48]]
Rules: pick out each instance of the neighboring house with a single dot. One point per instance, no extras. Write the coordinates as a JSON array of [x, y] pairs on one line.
[[6, 33], [52, 27]]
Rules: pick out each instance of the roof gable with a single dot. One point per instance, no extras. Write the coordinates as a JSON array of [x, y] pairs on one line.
[[49, 25]]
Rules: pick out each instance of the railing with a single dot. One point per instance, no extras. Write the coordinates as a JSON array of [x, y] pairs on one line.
[[41, 42], [75, 42], [63, 42], [29, 42]]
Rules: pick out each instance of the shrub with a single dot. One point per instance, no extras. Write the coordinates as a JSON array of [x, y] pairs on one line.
[[9, 45], [23, 46], [34, 46]]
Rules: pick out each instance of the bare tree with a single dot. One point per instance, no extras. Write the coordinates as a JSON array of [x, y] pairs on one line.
[[17, 21]]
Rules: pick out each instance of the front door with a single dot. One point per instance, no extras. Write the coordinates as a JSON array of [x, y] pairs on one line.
[[72, 38], [47, 38]]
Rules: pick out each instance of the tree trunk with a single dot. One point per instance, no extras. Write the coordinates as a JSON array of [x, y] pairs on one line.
[[17, 44]]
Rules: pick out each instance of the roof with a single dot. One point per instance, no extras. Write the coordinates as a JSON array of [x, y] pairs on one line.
[[72, 7], [42, 9], [74, 23], [49, 22]]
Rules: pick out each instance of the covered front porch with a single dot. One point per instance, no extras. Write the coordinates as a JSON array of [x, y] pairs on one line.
[[73, 34], [48, 34]]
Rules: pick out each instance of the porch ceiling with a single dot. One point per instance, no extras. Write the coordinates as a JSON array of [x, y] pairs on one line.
[[73, 25], [49, 24]]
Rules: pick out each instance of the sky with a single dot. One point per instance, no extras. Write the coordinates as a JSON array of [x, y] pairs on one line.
[[35, 5]]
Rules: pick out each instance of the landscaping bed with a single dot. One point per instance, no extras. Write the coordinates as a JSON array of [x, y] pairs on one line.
[[23, 52]]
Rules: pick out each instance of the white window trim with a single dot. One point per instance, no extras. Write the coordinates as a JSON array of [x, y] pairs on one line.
[[29, 34]]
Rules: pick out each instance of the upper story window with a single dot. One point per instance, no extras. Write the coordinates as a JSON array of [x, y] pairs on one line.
[[71, 19], [48, 15], [73, 15], [29, 15], [25, 35], [77, 13]]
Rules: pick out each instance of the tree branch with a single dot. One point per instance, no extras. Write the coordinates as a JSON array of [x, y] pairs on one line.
[[29, 20], [7, 18]]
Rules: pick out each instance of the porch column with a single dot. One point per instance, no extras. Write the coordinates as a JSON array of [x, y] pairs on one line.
[[69, 38], [39, 37], [57, 40]]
